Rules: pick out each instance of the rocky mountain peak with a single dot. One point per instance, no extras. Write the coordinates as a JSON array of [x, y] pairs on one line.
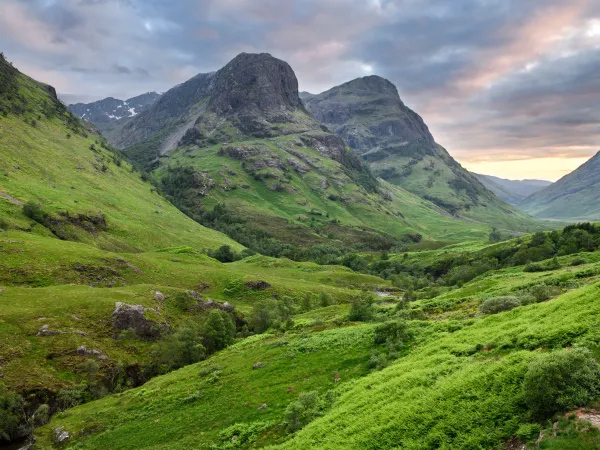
[[372, 84], [254, 84]]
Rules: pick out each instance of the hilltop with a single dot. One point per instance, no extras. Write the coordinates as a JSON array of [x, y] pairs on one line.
[[369, 114]]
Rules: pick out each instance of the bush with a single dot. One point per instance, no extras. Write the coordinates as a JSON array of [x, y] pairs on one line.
[[361, 310], [528, 432], [11, 411], [542, 292], [499, 304], [299, 413], [561, 380], [578, 261], [394, 332], [177, 350], [35, 212], [263, 316], [534, 267], [218, 331], [224, 254]]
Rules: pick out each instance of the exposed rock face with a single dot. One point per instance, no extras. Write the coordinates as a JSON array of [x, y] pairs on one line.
[[368, 114], [127, 316], [255, 85]]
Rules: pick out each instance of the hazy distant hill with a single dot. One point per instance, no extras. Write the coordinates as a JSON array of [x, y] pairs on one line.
[[512, 191], [576, 196]]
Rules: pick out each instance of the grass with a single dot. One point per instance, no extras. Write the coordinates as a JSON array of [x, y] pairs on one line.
[[52, 165], [459, 385]]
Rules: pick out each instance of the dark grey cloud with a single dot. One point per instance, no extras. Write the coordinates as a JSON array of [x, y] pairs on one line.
[[494, 79]]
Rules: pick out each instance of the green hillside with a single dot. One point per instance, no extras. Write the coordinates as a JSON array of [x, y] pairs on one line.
[[241, 139], [574, 197], [369, 114], [451, 372], [89, 193]]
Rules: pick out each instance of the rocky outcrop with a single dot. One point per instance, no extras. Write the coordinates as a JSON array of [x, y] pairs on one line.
[[255, 85], [368, 114], [133, 317]]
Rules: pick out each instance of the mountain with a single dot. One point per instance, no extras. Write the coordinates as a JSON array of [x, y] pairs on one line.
[[237, 150], [109, 113], [84, 190], [369, 114], [512, 191], [575, 197]]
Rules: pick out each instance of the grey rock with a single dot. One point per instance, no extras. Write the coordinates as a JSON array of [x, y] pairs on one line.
[[61, 435], [159, 296], [258, 365], [132, 316]]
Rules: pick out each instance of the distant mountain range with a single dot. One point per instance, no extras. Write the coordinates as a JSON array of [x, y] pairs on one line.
[[575, 197], [106, 114], [512, 191]]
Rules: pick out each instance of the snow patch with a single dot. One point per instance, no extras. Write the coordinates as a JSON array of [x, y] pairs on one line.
[[132, 112]]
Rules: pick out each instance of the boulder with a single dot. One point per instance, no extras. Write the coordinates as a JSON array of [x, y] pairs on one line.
[[61, 436], [258, 365], [132, 316], [257, 285]]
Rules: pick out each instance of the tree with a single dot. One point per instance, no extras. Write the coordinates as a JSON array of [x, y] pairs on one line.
[[361, 310], [179, 349], [224, 254], [299, 413], [217, 331], [495, 235]]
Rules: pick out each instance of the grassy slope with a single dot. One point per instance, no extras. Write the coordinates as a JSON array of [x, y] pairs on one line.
[[404, 213], [43, 283], [42, 164], [574, 197], [458, 387]]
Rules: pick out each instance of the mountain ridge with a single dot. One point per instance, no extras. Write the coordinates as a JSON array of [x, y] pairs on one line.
[[576, 196]]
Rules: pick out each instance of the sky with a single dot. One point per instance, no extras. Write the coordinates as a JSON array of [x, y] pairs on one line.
[[509, 87]]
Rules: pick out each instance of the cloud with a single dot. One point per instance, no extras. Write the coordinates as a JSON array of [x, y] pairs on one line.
[[496, 80]]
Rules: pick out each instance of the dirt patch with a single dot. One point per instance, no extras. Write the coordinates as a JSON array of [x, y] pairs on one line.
[[589, 415]]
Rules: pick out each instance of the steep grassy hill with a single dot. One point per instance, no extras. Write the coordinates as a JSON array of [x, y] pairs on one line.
[[512, 191], [369, 115], [85, 192], [452, 374], [241, 138], [575, 196]]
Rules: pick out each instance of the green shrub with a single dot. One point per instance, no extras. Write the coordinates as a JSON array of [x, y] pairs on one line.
[[4, 225], [542, 292], [35, 212], [299, 413], [561, 380], [184, 302], [534, 267], [499, 304], [263, 316], [224, 254], [396, 331], [578, 261], [217, 331], [528, 432], [241, 434], [11, 414], [71, 397], [177, 350], [361, 310]]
